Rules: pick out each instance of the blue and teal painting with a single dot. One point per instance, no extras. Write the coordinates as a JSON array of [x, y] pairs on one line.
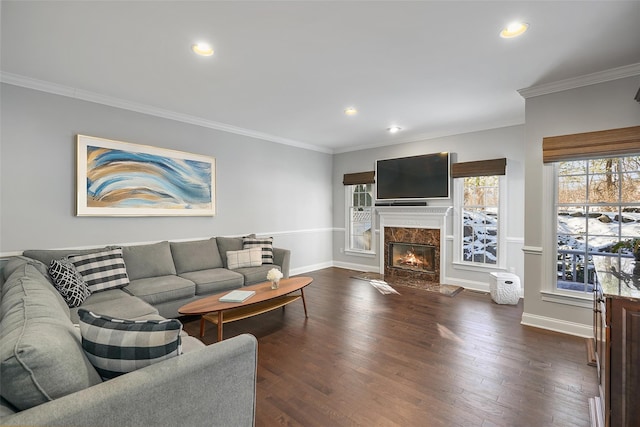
[[123, 179]]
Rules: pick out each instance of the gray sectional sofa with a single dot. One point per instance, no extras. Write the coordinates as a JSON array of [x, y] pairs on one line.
[[47, 379]]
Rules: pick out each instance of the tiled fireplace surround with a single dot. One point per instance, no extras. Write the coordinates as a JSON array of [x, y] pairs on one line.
[[424, 225]]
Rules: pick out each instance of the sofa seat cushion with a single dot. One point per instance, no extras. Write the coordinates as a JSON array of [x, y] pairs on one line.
[[120, 304], [214, 280], [258, 274], [156, 290], [195, 255], [144, 261], [41, 356]]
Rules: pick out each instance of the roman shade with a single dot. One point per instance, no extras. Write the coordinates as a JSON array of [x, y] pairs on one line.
[[359, 178], [479, 168], [591, 145]]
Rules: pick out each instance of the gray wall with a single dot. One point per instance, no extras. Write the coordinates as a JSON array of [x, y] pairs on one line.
[[496, 143], [262, 187], [596, 107]]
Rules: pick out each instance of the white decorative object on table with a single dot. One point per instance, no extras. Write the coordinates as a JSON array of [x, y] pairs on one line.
[[274, 275], [505, 289]]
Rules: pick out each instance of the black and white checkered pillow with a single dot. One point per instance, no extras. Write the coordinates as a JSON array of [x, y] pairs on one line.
[[117, 346], [102, 270], [68, 282], [266, 243]]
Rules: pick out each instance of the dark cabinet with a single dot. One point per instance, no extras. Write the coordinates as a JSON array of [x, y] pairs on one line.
[[623, 318], [617, 336]]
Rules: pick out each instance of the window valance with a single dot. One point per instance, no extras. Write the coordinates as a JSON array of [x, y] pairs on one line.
[[359, 178], [592, 145], [479, 168]]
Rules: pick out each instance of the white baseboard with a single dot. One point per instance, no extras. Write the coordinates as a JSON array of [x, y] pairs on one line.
[[551, 324], [308, 268], [357, 267], [467, 284]]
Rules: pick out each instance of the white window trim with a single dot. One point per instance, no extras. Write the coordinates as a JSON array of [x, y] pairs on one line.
[[548, 289], [347, 227], [458, 199]]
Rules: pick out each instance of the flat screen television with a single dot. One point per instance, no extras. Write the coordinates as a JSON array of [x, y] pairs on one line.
[[420, 177]]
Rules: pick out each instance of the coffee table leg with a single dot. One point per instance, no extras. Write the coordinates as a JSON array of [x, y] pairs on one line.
[[219, 325], [304, 303], [201, 326]]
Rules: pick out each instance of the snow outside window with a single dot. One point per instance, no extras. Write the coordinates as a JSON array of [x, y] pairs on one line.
[[480, 219], [598, 215], [479, 228], [359, 218]]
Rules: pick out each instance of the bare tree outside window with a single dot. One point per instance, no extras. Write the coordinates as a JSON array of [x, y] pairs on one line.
[[597, 207]]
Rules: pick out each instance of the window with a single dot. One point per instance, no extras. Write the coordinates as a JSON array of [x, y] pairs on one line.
[[598, 215], [479, 225], [359, 221]]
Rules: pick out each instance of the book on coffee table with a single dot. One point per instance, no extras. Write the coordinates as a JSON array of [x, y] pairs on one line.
[[237, 296]]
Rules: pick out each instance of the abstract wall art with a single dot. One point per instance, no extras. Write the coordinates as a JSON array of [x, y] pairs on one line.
[[121, 179]]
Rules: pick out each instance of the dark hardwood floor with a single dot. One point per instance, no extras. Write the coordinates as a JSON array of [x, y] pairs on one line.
[[415, 359]]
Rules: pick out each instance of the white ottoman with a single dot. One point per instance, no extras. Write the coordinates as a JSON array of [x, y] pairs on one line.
[[505, 289]]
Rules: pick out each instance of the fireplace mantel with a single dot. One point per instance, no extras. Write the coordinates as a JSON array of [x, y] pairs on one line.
[[413, 216], [430, 217]]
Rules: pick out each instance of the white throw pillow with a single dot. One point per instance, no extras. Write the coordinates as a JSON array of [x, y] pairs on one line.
[[244, 258]]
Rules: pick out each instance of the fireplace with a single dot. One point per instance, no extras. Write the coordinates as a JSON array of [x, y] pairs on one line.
[[412, 240], [411, 256]]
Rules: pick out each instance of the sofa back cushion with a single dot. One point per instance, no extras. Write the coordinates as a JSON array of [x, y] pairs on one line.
[[226, 244], [41, 356], [45, 256], [196, 256], [145, 261]]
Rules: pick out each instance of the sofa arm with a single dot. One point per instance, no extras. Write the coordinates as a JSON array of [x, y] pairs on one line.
[[282, 257], [214, 386]]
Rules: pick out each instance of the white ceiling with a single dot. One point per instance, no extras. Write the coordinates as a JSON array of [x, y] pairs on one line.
[[285, 71]]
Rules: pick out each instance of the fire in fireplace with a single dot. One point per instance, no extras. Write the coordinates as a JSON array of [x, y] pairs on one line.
[[411, 256]]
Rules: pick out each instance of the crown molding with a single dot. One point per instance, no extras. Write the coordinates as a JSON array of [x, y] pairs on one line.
[[71, 92], [581, 81]]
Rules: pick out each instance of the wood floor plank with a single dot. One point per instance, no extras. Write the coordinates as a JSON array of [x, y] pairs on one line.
[[415, 359]]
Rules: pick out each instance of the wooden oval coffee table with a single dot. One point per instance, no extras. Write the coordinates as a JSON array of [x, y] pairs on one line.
[[264, 300]]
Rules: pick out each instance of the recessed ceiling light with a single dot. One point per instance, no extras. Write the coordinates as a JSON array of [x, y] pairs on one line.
[[394, 129], [514, 29], [351, 111], [202, 49]]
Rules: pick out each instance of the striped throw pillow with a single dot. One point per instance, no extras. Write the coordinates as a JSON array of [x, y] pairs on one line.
[[102, 270], [117, 346], [265, 243]]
